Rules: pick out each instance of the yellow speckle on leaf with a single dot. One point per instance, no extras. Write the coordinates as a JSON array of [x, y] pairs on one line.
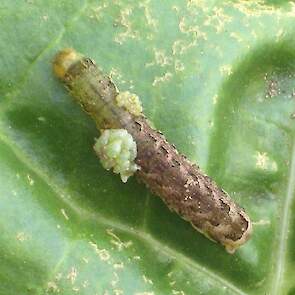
[[41, 119], [152, 22], [280, 35], [215, 99], [52, 287], [147, 280], [30, 179], [161, 58], [72, 275], [116, 75], [225, 70], [63, 212], [96, 12], [117, 241], [166, 77], [291, 11], [104, 254], [181, 46], [263, 162], [261, 222], [85, 284], [116, 279], [119, 265], [192, 30], [200, 5], [253, 8], [125, 21], [118, 292], [178, 66], [236, 36], [217, 19], [21, 236], [175, 8]]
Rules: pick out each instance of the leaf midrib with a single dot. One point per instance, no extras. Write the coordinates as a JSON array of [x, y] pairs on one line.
[[284, 228]]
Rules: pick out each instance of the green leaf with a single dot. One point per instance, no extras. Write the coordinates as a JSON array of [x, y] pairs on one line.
[[217, 77]]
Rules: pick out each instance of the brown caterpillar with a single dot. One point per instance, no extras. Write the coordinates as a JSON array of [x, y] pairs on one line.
[[168, 174]]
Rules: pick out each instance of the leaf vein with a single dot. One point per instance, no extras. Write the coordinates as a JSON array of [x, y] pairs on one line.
[[283, 228]]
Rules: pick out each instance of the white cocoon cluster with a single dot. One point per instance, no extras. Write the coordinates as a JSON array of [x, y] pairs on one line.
[[117, 149], [130, 102]]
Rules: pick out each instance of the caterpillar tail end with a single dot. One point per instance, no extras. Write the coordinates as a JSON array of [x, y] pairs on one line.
[[64, 60], [232, 246]]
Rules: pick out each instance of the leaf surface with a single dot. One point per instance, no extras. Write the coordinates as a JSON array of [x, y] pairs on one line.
[[217, 77]]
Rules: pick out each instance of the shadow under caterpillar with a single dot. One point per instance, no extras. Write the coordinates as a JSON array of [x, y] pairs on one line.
[[130, 145]]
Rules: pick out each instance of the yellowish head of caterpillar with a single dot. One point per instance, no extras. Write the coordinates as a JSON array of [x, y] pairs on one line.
[[64, 60]]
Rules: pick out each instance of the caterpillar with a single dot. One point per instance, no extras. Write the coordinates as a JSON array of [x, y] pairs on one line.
[[129, 145]]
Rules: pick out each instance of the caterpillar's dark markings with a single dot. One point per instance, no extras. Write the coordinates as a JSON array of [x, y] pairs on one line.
[[139, 124], [153, 138], [168, 174], [165, 150]]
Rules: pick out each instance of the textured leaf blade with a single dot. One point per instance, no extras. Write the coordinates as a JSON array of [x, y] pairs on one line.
[[217, 79]]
